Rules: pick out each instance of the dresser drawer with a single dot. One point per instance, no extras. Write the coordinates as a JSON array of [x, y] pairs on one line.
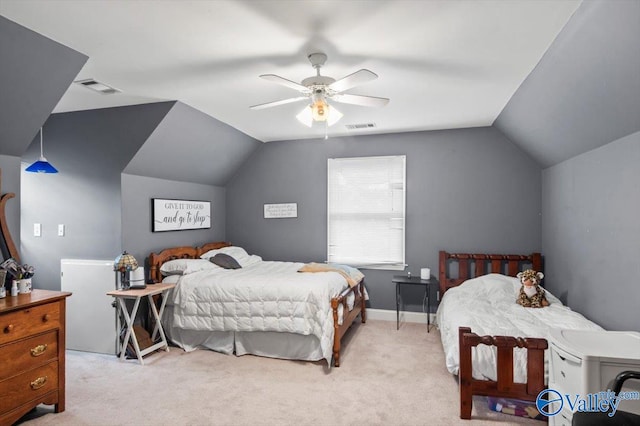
[[27, 354], [566, 370], [29, 385], [26, 322]]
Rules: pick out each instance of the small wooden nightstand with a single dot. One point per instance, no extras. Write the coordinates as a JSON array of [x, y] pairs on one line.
[[137, 295]]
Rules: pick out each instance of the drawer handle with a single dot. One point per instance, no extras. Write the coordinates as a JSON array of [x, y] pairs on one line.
[[8, 329], [39, 382], [46, 317], [38, 350], [562, 358], [563, 375]]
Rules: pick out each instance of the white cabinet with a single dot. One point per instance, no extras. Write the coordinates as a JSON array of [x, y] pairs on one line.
[[585, 362], [91, 318]]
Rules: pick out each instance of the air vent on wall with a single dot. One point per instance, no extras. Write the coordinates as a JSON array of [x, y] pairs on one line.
[[92, 84], [360, 126]]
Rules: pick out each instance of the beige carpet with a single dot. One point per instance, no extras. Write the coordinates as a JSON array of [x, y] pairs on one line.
[[387, 377]]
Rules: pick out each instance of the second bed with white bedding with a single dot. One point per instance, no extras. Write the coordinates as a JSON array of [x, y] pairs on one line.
[[487, 304]]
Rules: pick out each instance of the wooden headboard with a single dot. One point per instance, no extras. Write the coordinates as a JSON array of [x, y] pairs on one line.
[[211, 246], [471, 265], [185, 252]]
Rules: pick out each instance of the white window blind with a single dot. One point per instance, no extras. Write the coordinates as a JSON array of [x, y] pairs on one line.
[[366, 211]]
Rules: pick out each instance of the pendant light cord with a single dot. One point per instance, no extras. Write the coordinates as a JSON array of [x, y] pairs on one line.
[[41, 153]]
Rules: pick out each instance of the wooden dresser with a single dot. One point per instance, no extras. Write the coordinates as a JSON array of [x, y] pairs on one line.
[[32, 352]]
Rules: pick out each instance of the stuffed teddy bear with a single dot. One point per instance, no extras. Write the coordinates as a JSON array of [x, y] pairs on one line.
[[531, 295]]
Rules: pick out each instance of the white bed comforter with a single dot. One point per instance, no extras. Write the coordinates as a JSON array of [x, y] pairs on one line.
[[264, 296], [487, 305]]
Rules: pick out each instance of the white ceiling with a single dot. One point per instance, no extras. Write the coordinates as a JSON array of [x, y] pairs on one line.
[[443, 64]]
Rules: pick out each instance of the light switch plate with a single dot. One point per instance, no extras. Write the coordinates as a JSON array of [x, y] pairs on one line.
[[37, 230], [60, 230]]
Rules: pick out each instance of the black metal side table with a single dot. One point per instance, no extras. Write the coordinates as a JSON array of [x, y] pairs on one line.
[[400, 280]]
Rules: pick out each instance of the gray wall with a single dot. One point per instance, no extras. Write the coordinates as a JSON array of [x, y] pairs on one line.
[[585, 92], [137, 192], [34, 74], [591, 232], [201, 149], [467, 190], [10, 182], [90, 149]]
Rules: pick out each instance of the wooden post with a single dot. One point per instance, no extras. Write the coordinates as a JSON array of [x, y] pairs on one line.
[[335, 302], [465, 375]]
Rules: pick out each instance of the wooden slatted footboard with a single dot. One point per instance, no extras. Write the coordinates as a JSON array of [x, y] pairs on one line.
[[504, 386], [359, 307]]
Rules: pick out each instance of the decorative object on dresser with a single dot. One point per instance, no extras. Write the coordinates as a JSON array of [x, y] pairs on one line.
[[32, 350], [282, 299], [482, 300], [21, 274], [586, 362], [3, 289]]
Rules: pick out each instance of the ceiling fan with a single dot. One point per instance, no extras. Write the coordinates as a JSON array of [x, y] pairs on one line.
[[320, 89]]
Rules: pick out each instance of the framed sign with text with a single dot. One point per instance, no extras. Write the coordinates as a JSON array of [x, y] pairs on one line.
[[179, 215], [280, 211]]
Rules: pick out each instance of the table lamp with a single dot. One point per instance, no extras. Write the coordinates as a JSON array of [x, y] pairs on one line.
[[125, 263]]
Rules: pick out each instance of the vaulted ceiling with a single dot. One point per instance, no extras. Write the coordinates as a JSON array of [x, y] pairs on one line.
[[558, 78], [444, 64]]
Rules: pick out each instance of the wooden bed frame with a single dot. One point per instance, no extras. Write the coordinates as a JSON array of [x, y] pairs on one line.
[[474, 265], [359, 307]]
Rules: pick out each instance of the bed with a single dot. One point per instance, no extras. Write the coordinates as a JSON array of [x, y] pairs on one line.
[[263, 308], [495, 346]]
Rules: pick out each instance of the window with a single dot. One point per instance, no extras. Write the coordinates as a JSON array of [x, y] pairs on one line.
[[366, 211]]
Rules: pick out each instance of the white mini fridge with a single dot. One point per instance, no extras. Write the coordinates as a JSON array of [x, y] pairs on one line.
[[91, 316]]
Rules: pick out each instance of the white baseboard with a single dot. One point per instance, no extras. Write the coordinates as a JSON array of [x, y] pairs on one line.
[[405, 316]]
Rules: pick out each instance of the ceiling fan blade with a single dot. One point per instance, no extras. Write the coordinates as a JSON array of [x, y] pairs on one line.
[[369, 101], [285, 82], [359, 77], [276, 103]]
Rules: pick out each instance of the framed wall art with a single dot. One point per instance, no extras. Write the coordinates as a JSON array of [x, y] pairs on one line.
[[179, 215], [280, 211]]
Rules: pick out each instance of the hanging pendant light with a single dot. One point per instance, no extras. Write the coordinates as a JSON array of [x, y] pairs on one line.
[[42, 165]]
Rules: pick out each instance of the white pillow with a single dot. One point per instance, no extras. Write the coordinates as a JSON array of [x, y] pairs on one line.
[[238, 253], [185, 266]]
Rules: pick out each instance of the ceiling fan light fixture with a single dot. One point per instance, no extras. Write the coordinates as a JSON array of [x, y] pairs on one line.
[[319, 88], [306, 116], [334, 116], [319, 111]]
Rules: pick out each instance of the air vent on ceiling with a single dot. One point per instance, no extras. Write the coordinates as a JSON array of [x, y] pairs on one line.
[[360, 126], [92, 84]]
